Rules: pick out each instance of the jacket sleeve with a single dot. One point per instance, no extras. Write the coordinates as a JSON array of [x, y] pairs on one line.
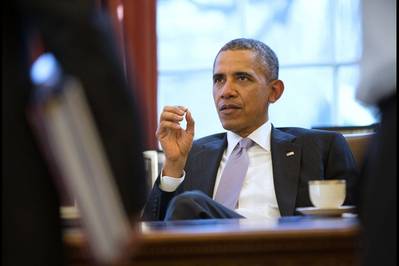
[[157, 203]]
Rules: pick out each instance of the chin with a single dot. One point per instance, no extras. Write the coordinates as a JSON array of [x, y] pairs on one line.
[[229, 125]]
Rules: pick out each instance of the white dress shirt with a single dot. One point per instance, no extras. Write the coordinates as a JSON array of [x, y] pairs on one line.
[[257, 198]]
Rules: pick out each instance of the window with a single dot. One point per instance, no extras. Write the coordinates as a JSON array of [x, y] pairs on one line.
[[318, 44]]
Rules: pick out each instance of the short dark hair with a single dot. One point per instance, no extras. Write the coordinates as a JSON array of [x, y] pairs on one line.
[[267, 57]]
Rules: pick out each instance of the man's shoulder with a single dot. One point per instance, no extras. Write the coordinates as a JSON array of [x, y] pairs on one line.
[[305, 132], [211, 143], [308, 138], [305, 135]]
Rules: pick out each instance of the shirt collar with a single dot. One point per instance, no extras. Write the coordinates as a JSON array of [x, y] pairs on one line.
[[260, 136]]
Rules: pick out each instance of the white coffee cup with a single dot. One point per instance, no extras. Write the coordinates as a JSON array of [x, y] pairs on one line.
[[327, 194]]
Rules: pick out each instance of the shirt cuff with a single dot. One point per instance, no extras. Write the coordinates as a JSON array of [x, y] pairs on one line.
[[170, 184]]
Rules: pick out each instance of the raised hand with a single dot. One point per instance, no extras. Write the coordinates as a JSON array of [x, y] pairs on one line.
[[176, 142]]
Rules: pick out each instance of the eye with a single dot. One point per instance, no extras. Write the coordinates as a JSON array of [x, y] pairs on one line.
[[217, 79], [242, 77]]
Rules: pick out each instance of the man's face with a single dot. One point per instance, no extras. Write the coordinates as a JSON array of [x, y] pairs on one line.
[[240, 91]]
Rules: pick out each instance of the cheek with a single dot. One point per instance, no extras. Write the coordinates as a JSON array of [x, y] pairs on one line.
[[215, 95], [257, 103], [262, 97]]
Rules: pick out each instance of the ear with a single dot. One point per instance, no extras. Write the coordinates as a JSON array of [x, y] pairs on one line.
[[277, 89]]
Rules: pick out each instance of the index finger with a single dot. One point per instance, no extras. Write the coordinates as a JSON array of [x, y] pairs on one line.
[[177, 109]]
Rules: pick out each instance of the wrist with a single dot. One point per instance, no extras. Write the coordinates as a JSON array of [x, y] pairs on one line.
[[173, 169]]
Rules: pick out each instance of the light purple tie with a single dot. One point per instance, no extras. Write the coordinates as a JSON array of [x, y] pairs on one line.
[[233, 175]]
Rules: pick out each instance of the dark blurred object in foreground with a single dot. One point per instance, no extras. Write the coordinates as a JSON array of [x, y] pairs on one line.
[[81, 40], [377, 200]]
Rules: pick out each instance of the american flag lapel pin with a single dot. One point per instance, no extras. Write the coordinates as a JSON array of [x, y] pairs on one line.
[[290, 153]]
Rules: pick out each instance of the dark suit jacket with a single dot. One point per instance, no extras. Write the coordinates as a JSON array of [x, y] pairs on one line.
[[81, 42], [318, 155]]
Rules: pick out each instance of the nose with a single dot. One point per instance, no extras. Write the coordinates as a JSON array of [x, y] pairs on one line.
[[228, 90]]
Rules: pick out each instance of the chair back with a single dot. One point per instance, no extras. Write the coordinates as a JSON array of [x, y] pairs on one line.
[[358, 143]]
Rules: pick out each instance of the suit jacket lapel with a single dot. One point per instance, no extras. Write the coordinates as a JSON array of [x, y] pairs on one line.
[[208, 160], [286, 157]]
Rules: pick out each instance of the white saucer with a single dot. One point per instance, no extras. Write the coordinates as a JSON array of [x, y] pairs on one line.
[[326, 212]]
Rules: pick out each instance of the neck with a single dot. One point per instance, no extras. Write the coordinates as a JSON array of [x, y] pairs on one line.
[[246, 133]]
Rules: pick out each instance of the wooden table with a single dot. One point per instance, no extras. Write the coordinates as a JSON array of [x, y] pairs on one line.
[[288, 241]]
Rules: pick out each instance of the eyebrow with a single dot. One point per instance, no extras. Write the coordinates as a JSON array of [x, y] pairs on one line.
[[235, 74], [242, 73], [217, 75]]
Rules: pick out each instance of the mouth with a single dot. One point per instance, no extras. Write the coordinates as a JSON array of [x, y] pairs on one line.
[[228, 108]]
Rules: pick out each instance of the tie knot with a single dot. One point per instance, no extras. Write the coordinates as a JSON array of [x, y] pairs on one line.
[[245, 143]]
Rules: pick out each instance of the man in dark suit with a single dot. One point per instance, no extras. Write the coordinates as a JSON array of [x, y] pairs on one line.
[[281, 161], [81, 40]]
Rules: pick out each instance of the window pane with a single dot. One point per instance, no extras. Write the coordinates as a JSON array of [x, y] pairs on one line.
[[307, 99], [298, 31], [193, 90], [351, 112], [347, 27], [190, 33]]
